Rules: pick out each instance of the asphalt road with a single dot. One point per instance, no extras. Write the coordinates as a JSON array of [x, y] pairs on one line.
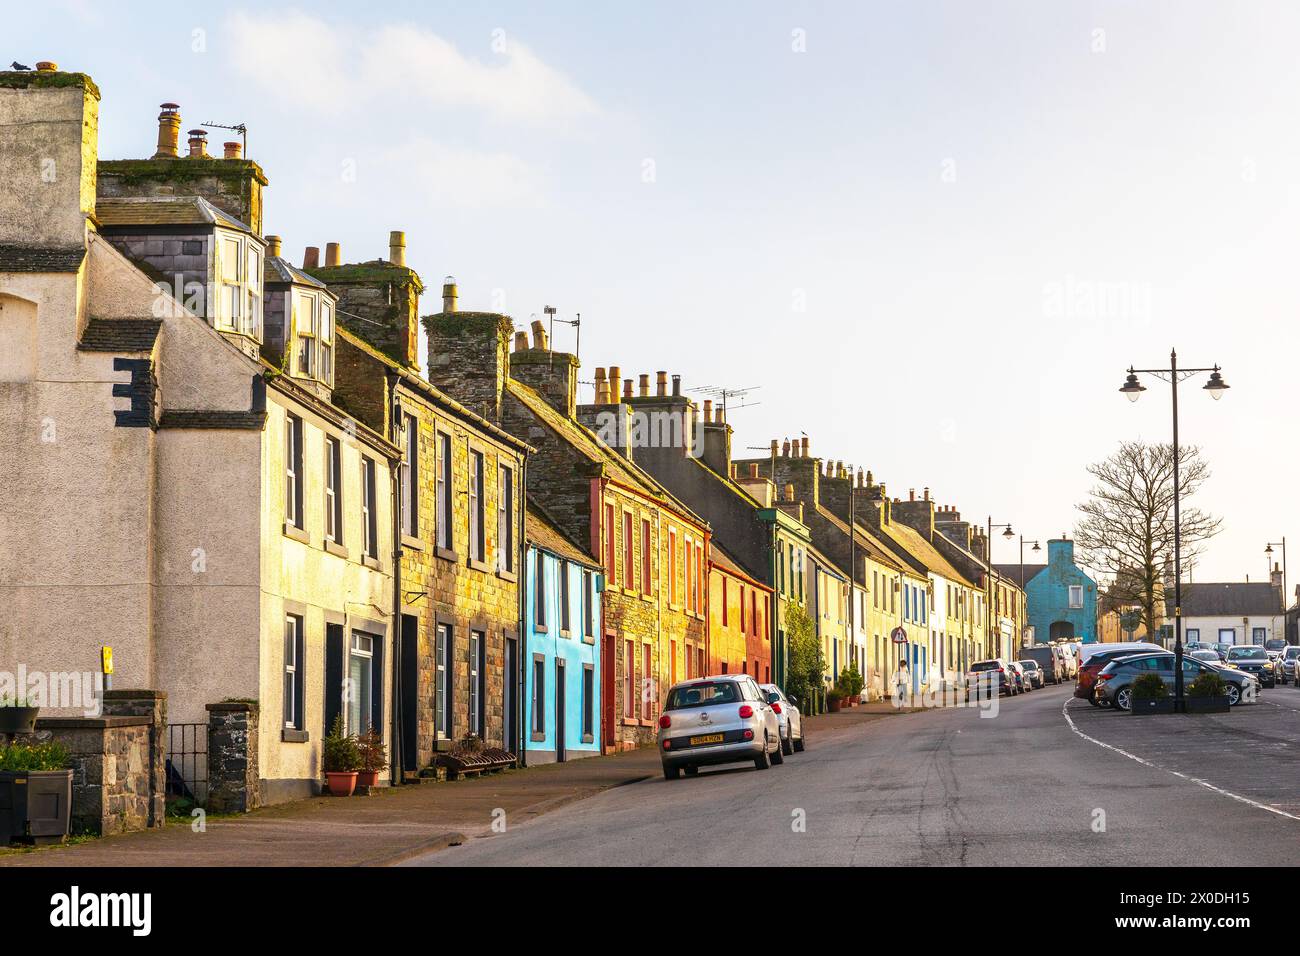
[[948, 787]]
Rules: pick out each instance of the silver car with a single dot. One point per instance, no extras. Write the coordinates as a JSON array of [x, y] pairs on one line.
[[1033, 673], [712, 720], [788, 718], [1291, 665]]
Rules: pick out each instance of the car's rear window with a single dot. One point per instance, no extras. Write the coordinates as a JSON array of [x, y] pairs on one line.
[[984, 666], [1031, 664], [703, 694], [1275, 644]]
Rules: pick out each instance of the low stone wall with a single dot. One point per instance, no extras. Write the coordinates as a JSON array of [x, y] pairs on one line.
[[233, 774]]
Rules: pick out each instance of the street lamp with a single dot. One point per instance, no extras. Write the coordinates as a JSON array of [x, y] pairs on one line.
[[1268, 549], [1133, 389], [988, 597]]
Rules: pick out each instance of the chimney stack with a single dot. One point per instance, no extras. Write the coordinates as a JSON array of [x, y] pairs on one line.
[[661, 384], [273, 247], [198, 143], [169, 132], [397, 247], [232, 150], [333, 255], [643, 385], [311, 258], [449, 294]]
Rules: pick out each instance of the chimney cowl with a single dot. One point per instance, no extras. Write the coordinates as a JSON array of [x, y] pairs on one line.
[[169, 132], [677, 386], [198, 143]]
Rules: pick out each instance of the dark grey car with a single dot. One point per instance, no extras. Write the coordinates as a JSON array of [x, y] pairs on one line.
[[1115, 682]]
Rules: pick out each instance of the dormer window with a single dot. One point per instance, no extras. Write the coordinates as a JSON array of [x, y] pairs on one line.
[[238, 296], [313, 326]]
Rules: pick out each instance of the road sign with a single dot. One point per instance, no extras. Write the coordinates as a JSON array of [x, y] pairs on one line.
[[106, 659], [898, 635]]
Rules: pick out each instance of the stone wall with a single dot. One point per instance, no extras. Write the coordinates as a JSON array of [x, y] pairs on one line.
[[232, 185], [118, 777], [233, 775]]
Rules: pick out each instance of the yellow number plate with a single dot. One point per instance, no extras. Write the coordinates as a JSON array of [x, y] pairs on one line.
[[706, 739]]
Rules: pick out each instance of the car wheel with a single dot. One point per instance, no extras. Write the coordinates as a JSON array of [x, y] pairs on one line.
[[672, 773], [778, 755], [763, 761], [798, 744], [1233, 694], [1093, 702], [787, 745], [1123, 698]]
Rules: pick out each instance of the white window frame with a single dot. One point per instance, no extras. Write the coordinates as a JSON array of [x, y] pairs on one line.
[[1076, 588]]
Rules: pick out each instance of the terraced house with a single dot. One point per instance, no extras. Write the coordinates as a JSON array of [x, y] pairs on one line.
[[654, 549], [166, 485], [461, 517]]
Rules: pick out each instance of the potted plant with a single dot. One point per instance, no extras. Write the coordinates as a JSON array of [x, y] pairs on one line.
[[1149, 695], [853, 683], [374, 758], [1208, 694], [17, 716], [834, 697], [340, 760], [35, 792]]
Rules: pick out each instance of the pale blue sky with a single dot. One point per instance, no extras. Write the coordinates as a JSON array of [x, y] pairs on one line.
[[899, 233]]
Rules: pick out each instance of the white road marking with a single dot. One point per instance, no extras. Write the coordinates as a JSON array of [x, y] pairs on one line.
[[1196, 780]]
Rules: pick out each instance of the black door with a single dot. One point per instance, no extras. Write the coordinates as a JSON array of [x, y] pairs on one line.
[[410, 689], [559, 708], [510, 712]]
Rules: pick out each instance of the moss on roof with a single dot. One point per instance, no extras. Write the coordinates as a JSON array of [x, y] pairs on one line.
[[134, 172], [36, 80], [376, 270], [473, 323]]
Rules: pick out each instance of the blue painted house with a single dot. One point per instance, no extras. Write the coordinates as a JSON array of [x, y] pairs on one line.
[[1060, 598], [562, 684]]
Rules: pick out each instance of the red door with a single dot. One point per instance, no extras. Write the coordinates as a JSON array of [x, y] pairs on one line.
[[607, 693]]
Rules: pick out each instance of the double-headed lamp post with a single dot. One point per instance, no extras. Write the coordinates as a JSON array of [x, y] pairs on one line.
[[1023, 596], [1132, 388], [988, 597]]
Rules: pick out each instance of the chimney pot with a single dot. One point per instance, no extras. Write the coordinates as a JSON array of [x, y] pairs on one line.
[[789, 492], [311, 258], [677, 386], [273, 247], [46, 66], [775, 448], [720, 416], [449, 294], [198, 143], [753, 470], [615, 383], [539, 335], [803, 447], [643, 385], [927, 494], [232, 150], [661, 384], [627, 388], [397, 247], [169, 132], [785, 448], [333, 255], [911, 494], [521, 340], [708, 410]]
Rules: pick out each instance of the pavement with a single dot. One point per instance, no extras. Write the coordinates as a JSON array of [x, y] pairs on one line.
[[391, 825], [949, 787]]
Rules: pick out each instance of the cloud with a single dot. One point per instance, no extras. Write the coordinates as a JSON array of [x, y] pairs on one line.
[[326, 67], [450, 176]]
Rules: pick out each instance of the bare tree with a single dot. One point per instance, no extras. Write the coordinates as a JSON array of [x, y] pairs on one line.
[[1126, 528]]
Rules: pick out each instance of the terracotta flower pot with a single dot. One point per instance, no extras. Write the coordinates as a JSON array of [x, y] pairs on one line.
[[367, 778], [341, 783], [834, 703]]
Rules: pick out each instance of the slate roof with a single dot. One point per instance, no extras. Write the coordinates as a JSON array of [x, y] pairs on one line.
[[719, 556], [163, 211], [279, 269], [590, 447], [910, 541], [1230, 600], [41, 258], [1011, 572], [211, 418], [120, 335], [542, 532], [868, 544]]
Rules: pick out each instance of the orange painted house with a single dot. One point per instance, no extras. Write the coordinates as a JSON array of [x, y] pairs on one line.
[[740, 641]]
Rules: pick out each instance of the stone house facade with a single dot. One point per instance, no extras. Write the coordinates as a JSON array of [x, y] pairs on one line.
[[461, 511], [740, 634], [653, 549]]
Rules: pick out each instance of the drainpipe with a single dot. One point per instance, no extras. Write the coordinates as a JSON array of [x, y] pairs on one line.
[[397, 755], [521, 642]]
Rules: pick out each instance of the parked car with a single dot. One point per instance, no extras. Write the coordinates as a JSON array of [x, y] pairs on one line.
[[1114, 684], [713, 720], [788, 717], [1022, 673], [1290, 670], [1050, 660], [1276, 647], [1253, 660], [991, 676], [1206, 655], [1090, 668], [1034, 675]]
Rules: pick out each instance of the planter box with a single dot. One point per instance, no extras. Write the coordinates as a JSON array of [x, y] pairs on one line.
[[1207, 705], [35, 806], [1151, 705], [18, 720]]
